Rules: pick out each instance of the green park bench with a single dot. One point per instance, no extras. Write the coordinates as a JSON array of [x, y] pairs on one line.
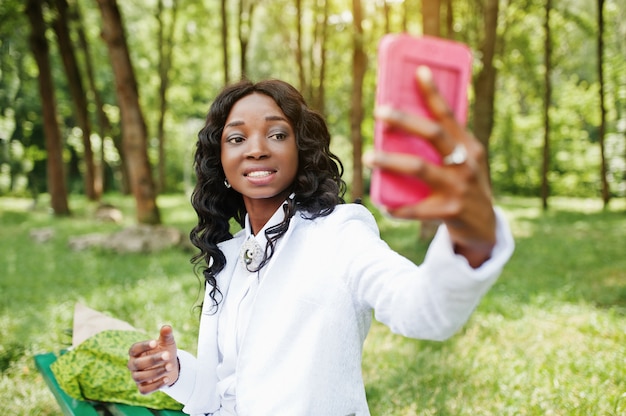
[[71, 406]]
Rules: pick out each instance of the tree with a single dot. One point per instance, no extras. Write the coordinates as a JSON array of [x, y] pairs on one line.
[[134, 133], [56, 176], [104, 124], [320, 36], [246, 11], [165, 36], [431, 17], [359, 66], [546, 107], [224, 14], [74, 80], [405, 13], [299, 54], [449, 18], [600, 61], [485, 85], [387, 20], [509, 68]]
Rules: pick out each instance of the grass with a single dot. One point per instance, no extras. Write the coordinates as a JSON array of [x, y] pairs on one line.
[[548, 339]]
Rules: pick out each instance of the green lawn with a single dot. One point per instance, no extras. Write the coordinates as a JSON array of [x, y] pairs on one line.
[[548, 339]]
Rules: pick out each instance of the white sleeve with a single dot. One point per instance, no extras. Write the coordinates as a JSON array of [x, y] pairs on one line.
[[183, 387], [430, 301], [441, 252]]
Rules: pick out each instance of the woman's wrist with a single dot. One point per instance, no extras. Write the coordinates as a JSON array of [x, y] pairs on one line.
[[476, 255], [177, 372]]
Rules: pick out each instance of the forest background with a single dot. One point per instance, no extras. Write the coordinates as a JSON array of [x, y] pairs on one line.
[[548, 99], [548, 95]]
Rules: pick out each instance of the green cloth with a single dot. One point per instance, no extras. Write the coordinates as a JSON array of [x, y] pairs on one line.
[[96, 370]]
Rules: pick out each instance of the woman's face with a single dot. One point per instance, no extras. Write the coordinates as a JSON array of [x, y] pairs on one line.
[[258, 150]]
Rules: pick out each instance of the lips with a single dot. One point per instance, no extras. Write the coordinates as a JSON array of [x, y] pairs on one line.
[[259, 173], [261, 176]]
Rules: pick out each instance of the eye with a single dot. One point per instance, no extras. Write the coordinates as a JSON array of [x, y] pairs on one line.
[[235, 139], [278, 136]]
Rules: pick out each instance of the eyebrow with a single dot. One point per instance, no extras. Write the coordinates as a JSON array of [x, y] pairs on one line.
[[276, 118], [236, 123]]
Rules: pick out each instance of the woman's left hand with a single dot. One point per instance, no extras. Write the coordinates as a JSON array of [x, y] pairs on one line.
[[460, 188]]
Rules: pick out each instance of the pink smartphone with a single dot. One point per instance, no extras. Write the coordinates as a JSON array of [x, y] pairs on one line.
[[399, 55]]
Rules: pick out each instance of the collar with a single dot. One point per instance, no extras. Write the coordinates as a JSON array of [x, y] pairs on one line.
[[275, 219], [251, 253]]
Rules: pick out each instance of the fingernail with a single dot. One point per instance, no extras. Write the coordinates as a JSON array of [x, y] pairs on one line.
[[424, 73], [153, 344], [383, 111], [368, 158], [165, 356]]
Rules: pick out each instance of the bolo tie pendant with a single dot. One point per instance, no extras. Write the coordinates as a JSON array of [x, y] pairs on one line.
[[251, 253], [248, 256]]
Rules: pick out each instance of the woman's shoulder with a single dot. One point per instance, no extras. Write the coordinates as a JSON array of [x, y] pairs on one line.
[[346, 213]]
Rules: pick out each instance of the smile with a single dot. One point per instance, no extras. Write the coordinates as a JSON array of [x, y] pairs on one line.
[[259, 174]]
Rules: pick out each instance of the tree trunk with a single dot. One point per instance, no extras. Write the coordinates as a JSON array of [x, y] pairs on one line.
[[246, 10], [431, 17], [104, 125], [485, 86], [545, 191], [359, 65], [606, 195], [319, 98], [105, 129], [387, 18], [134, 134], [449, 19], [166, 45], [405, 13], [54, 148], [224, 12], [74, 80], [299, 53]]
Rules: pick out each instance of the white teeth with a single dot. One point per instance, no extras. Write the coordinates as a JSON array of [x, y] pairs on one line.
[[259, 174]]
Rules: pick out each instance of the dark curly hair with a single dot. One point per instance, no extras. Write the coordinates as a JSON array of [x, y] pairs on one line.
[[317, 187]]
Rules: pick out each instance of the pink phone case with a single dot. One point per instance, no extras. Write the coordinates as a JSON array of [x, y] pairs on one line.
[[399, 55]]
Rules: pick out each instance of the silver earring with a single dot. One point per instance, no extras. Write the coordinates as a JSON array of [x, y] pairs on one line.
[[226, 183]]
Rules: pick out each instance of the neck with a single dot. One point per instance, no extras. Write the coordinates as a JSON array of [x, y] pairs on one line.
[[261, 210], [259, 216]]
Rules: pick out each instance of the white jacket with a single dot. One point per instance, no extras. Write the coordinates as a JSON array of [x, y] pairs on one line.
[[301, 354]]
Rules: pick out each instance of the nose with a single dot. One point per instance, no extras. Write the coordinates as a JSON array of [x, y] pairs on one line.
[[257, 147]]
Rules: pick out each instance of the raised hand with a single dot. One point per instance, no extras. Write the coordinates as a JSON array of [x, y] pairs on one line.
[[154, 364], [461, 192]]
